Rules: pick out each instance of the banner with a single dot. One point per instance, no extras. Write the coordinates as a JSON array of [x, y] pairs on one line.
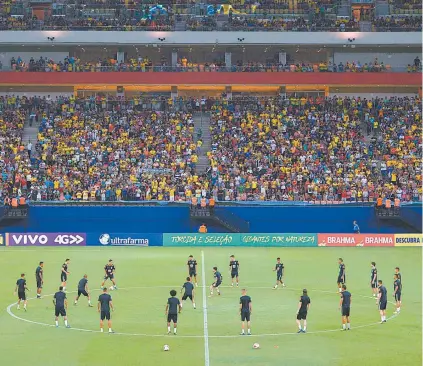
[[211, 240], [246, 240], [124, 239], [408, 240], [279, 240], [46, 239], [355, 240]]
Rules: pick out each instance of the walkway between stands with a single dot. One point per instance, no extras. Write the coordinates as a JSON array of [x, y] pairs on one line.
[[202, 132]]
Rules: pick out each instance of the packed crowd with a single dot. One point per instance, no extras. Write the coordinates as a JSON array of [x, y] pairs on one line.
[[138, 15], [108, 148], [99, 149], [299, 24], [184, 64], [15, 165], [393, 24], [303, 149]]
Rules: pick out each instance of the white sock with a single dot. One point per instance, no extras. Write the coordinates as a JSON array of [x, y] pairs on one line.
[[57, 323], [343, 326], [174, 330], [249, 331], [305, 328], [299, 326], [89, 302], [276, 286], [242, 331], [66, 322], [110, 330], [64, 288], [24, 306], [348, 325], [101, 330], [399, 309], [18, 307], [168, 329], [339, 289], [182, 304], [193, 304]]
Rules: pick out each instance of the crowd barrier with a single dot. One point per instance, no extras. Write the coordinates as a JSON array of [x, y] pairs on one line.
[[210, 239]]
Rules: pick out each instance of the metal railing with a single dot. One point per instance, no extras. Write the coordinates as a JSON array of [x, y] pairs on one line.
[[253, 67]]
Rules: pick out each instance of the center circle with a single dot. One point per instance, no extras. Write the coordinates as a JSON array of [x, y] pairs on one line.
[[9, 311]]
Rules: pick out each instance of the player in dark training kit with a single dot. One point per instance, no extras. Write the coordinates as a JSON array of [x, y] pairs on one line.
[[344, 306], [83, 290], [109, 274], [245, 309], [303, 308], [279, 267], [341, 275], [104, 306], [234, 268], [20, 289], [397, 293], [173, 307], [39, 279], [397, 272], [217, 281], [189, 292], [60, 306], [373, 279], [383, 301], [64, 273], [192, 269]]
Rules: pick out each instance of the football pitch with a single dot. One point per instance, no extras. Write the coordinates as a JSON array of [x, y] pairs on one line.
[[209, 335]]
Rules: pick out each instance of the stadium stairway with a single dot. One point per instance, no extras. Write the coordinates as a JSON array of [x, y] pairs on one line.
[[382, 8], [401, 219], [202, 123], [180, 25], [220, 218], [365, 26], [10, 216], [30, 132], [344, 9]]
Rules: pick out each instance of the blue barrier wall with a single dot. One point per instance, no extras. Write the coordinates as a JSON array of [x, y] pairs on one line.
[[148, 219]]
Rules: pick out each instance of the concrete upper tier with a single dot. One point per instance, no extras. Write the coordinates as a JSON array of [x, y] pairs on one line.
[[203, 38]]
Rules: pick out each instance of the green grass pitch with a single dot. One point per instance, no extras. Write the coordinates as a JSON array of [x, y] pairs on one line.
[[145, 276]]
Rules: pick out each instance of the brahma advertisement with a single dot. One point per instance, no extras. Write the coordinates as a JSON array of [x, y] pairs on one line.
[[45, 239], [355, 240]]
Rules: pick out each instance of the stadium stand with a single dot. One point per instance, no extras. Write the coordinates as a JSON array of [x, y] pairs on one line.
[[300, 149], [144, 64], [266, 15], [106, 148]]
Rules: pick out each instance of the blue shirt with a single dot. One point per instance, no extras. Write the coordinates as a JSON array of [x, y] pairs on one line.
[[346, 299], [218, 276], [60, 299], [383, 293]]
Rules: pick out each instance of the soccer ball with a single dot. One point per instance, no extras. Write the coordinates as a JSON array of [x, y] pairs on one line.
[[256, 346], [166, 347], [111, 288]]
